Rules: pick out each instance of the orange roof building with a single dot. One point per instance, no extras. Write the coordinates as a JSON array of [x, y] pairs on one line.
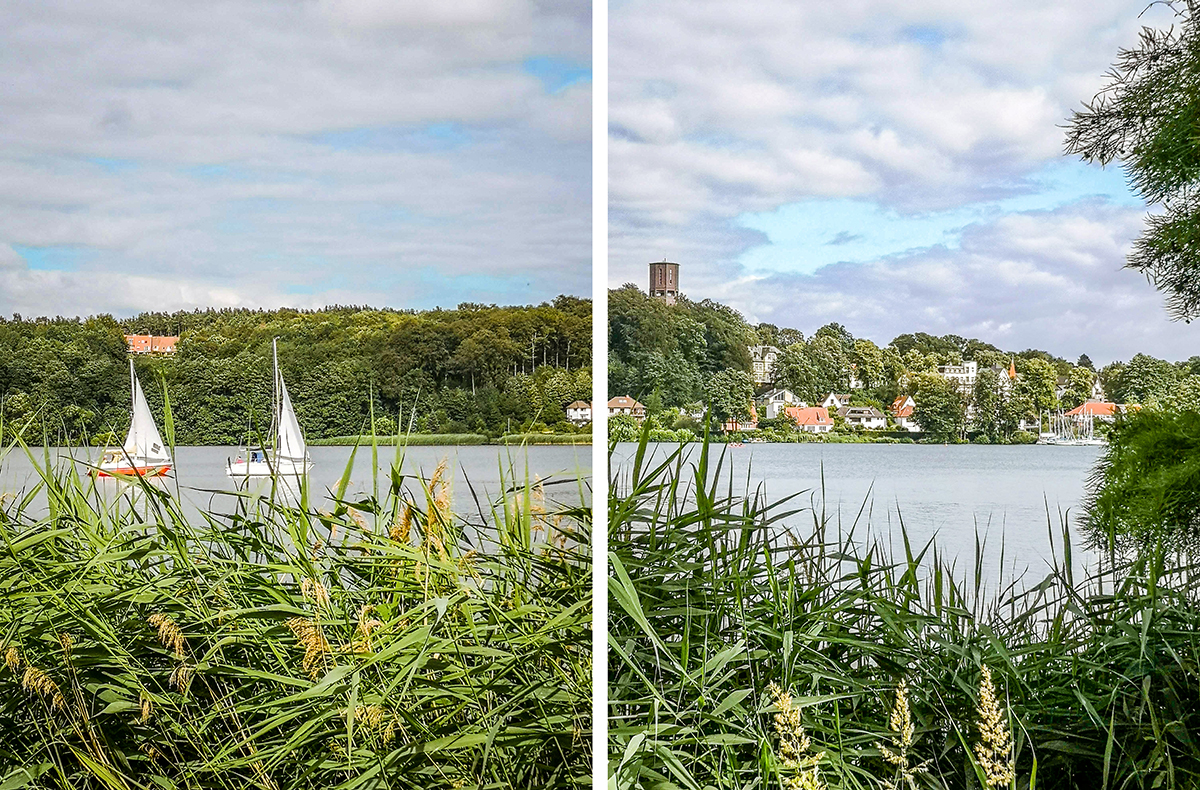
[[623, 404], [814, 419], [151, 344], [1100, 409]]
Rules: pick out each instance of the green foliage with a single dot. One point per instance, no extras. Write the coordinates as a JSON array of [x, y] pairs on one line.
[[1146, 489], [352, 645], [672, 349], [939, 410], [442, 370], [623, 428], [1036, 384], [1146, 117], [729, 393], [716, 594]]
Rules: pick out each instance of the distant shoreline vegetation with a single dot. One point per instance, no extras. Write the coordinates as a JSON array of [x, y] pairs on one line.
[[477, 370], [684, 360], [443, 439]]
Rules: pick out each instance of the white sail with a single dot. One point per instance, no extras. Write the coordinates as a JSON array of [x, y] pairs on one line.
[[290, 439], [143, 443]]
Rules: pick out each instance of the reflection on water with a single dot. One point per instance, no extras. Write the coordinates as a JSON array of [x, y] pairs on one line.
[[478, 476]]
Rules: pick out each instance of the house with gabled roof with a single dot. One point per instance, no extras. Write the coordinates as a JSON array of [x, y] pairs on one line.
[[810, 419], [902, 409]]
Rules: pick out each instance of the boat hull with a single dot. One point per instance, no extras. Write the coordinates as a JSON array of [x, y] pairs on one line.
[[132, 471], [243, 468]]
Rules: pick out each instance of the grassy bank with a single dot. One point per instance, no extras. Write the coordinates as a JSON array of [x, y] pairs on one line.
[[386, 642], [756, 644], [412, 439], [546, 438], [440, 439]]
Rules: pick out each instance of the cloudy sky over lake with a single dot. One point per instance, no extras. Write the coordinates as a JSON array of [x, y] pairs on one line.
[[174, 155], [896, 167]]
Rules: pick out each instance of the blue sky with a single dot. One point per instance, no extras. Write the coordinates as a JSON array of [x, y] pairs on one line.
[[895, 168], [250, 153]]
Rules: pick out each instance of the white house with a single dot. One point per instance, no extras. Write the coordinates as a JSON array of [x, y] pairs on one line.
[[902, 413], [774, 402], [1097, 390], [835, 401], [764, 358], [963, 375], [868, 417], [623, 404], [579, 413]]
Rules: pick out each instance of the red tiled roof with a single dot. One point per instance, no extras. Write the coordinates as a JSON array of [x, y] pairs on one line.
[[579, 405], [1097, 409], [813, 415], [899, 409], [624, 402]]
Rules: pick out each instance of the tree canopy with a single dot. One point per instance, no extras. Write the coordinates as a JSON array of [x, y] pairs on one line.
[[1146, 117], [479, 369]]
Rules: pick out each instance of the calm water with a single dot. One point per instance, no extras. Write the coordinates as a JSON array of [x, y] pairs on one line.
[[200, 471], [947, 491]]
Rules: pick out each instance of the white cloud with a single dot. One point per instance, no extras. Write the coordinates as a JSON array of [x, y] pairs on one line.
[[342, 140], [718, 112]]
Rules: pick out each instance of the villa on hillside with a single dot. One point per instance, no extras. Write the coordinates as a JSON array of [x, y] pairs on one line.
[[774, 402], [963, 375], [868, 417], [764, 358], [836, 401], [810, 419], [902, 413], [151, 344], [623, 404], [579, 413], [1007, 376]]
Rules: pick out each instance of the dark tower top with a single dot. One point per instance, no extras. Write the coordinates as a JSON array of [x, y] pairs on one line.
[[664, 281]]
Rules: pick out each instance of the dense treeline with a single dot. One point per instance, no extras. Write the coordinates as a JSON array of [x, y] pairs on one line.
[[479, 369], [679, 359]]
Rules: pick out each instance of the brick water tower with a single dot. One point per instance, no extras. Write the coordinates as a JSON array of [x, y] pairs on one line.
[[664, 280]]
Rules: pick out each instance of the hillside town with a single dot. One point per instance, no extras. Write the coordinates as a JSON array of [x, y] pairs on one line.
[[678, 364]]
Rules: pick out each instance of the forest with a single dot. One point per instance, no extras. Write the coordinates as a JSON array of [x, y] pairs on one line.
[[692, 355], [476, 369]]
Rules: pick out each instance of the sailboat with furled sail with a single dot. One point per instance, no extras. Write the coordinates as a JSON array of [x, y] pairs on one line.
[[286, 452], [143, 452]]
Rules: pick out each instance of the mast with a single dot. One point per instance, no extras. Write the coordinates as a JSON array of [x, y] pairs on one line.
[[276, 401]]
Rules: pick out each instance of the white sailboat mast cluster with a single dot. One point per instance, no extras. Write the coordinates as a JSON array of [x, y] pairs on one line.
[[144, 453]]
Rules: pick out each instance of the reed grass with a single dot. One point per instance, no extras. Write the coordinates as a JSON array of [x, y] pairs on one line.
[[375, 642], [725, 605]]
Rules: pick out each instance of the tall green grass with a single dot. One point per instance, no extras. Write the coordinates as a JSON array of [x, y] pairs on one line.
[[299, 642], [717, 593]]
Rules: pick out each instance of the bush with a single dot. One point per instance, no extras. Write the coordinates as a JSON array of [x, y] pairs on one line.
[[1022, 437], [1146, 488]]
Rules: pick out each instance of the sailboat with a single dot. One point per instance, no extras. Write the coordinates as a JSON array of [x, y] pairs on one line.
[[286, 453], [143, 452]]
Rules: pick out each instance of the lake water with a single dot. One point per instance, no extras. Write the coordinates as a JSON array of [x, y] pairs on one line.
[[200, 472], [947, 491]]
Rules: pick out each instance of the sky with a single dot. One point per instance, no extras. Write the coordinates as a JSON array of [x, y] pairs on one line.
[[176, 155], [894, 167]]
